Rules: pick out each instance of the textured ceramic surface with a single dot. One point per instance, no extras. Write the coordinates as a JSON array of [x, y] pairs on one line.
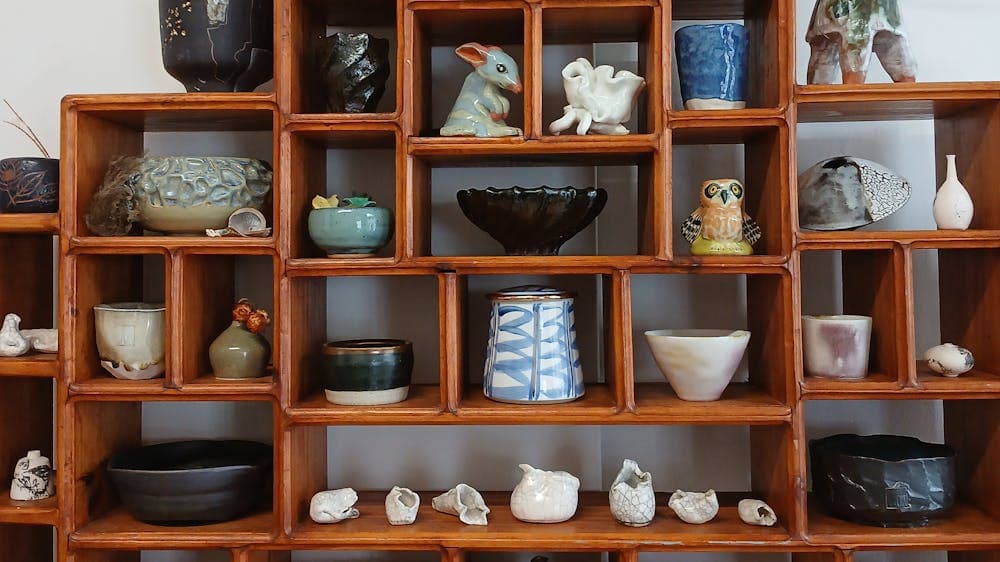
[[33, 479], [218, 45], [532, 355], [599, 100], [544, 496], [756, 512], [45, 340], [883, 480], [953, 208], [334, 506], [192, 482], [632, 499], [29, 185], [465, 502], [348, 232], [532, 222], [354, 68], [481, 108], [949, 360], [847, 192], [12, 342], [720, 226], [698, 364], [238, 353], [712, 65], [367, 372], [843, 35], [401, 506], [694, 507], [130, 339], [836, 347]]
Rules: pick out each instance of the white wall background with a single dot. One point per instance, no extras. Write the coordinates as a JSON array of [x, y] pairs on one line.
[[49, 49]]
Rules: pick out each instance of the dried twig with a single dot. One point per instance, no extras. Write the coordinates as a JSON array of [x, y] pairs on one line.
[[23, 126]]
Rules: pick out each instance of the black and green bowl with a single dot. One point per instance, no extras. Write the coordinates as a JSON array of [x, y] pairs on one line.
[[367, 372]]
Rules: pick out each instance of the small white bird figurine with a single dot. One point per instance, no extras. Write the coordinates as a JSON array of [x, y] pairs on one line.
[[12, 343]]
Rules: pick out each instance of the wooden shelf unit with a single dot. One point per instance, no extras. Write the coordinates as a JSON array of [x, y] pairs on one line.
[[97, 415]]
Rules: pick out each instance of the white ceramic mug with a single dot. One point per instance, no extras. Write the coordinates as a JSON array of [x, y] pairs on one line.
[[836, 347], [130, 339]]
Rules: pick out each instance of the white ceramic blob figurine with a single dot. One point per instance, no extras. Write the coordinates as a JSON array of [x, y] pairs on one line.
[[949, 360], [12, 343], [544, 496], [632, 499], [33, 478], [334, 506], [465, 502], [401, 506], [695, 507], [600, 100], [756, 512], [953, 208]]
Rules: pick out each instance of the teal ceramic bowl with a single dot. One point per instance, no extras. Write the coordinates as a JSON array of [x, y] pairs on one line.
[[345, 232]]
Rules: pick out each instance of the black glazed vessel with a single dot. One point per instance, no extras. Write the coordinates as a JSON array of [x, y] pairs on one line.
[[532, 222], [883, 480], [29, 185], [218, 45], [367, 372], [354, 68], [192, 482]]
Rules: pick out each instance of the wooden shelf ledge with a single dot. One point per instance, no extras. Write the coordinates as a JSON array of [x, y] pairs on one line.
[[112, 389], [741, 404], [596, 407], [42, 512], [562, 150], [423, 406], [44, 365], [976, 384], [118, 527], [29, 223], [243, 111], [882, 239], [295, 120], [884, 102], [592, 527], [163, 244]]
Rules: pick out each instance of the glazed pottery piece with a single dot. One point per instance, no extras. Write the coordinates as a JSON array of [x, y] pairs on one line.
[[544, 496], [354, 68], [949, 360], [401, 506], [481, 108], [836, 347], [843, 34], [712, 65], [367, 372], [847, 192], [632, 499], [720, 226], [599, 100], [694, 507], [12, 342], [240, 351], [698, 364], [34, 478], [334, 506], [130, 339], [351, 233], [29, 185], [218, 45], [42, 340], [532, 222], [953, 208], [247, 222], [756, 512], [883, 480], [192, 482], [532, 355], [465, 502]]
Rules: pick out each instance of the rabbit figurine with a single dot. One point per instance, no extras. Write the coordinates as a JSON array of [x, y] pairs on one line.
[[480, 109]]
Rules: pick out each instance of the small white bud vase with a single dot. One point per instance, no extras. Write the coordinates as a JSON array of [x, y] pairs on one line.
[[953, 208]]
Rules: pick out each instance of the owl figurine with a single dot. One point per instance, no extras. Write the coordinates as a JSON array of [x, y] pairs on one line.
[[719, 227]]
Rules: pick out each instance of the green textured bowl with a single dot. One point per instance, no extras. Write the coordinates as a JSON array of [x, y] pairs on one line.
[[345, 232]]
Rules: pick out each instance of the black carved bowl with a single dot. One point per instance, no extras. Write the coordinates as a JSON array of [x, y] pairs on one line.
[[883, 480], [532, 222], [192, 482], [29, 185]]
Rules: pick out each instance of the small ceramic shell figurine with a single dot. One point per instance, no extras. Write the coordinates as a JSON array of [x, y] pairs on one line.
[[756, 512], [599, 99], [632, 499], [401, 506], [949, 360], [465, 502], [544, 496], [334, 506], [480, 109], [720, 227], [33, 478], [12, 343], [695, 507]]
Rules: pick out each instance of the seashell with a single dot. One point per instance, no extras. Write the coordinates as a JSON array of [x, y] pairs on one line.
[[334, 506], [756, 512], [632, 499], [12, 343], [695, 507], [544, 496], [401, 506], [45, 341], [465, 502], [949, 360], [249, 222]]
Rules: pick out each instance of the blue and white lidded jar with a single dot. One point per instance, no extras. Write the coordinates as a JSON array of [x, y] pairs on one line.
[[532, 355]]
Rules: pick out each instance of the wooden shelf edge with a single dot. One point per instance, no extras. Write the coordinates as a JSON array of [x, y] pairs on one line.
[[118, 527], [43, 512], [170, 101], [44, 365], [570, 145], [29, 223], [929, 239], [915, 91], [162, 244]]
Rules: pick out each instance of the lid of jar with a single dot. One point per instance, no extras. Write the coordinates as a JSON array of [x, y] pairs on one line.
[[530, 292]]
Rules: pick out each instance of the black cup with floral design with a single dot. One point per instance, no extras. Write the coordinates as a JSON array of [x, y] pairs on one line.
[[29, 185]]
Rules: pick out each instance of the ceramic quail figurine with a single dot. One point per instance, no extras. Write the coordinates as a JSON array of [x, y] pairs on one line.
[[33, 478], [12, 343], [600, 100], [544, 496], [481, 108], [720, 227], [845, 33]]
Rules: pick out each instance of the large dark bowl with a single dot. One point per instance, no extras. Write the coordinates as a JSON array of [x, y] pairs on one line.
[[532, 222], [192, 482], [883, 480]]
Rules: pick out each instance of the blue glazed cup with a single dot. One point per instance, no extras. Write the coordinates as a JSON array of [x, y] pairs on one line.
[[351, 232], [712, 64]]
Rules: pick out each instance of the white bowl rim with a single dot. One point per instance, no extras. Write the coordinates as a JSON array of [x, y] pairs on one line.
[[837, 317], [131, 307], [697, 334]]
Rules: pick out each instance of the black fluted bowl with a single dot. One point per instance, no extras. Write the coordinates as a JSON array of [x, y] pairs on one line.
[[883, 480], [532, 222], [192, 482]]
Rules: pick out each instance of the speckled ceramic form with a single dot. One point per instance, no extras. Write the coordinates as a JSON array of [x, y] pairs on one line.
[[599, 100], [847, 192], [694, 507], [130, 339], [29, 185], [632, 499], [401, 506], [481, 108], [712, 65], [354, 67], [953, 208], [532, 355], [949, 360], [334, 506], [836, 347], [34, 478], [698, 363], [12, 342], [756, 512], [350, 232], [544, 496], [465, 502]]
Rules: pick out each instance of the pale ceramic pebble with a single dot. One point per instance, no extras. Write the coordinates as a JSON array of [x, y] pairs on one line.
[[632, 499], [756, 512], [12, 344], [334, 506], [42, 340], [949, 360], [544, 496], [401, 505], [695, 507], [465, 502]]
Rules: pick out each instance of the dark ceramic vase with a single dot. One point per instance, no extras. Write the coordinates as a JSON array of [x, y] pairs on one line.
[[883, 480], [218, 45], [29, 185], [367, 372], [354, 68]]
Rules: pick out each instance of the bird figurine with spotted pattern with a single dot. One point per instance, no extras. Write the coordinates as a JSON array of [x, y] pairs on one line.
[[720, 227]]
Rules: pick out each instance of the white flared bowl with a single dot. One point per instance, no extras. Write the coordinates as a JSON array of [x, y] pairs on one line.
[[698, 364]]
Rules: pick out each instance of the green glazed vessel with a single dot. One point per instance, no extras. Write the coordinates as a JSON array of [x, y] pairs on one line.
[[239, 353], [348, 232], [367, 372]]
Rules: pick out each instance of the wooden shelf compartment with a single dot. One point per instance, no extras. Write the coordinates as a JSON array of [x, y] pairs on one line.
[[958, 553], [31, 365], [27, 262], [27, 542], [103, 127], [29, 223], [26, 405], [298, 77], [764, 553], [137, 555], [41, 512], [883, 102]]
